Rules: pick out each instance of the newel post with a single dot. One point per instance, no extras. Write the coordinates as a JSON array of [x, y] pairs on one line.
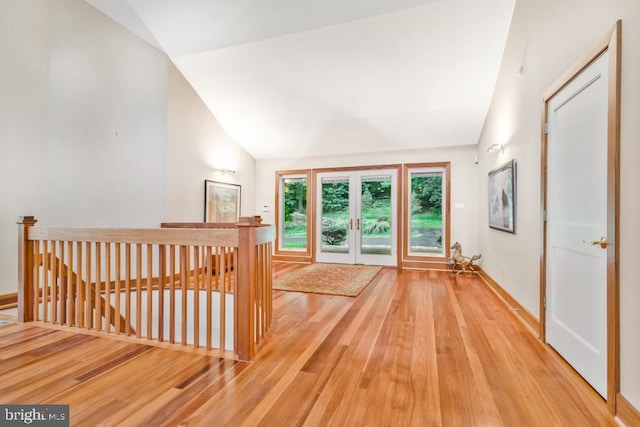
[[245, 287], [25, 269]]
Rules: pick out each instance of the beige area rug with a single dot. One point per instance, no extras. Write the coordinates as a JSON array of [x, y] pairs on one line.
[[334, 279]]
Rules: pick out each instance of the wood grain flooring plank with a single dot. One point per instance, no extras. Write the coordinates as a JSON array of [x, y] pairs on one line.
[[484, 406], [301, 395], [55, 373], [17, 334], [424, 372], [113, 363], [197, 394]]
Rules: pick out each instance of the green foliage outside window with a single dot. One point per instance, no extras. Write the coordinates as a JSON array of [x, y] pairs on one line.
[[295, 213], [426, 194]]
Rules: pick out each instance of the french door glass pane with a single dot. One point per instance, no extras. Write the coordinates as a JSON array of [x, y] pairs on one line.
[[335, 215], [294, 204], [427, 225], [375, 211]]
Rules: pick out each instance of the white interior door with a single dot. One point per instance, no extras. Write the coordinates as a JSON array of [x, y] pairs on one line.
[[576, 295], [357, 217]]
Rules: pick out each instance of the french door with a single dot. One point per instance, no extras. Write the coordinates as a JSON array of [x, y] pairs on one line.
[[356, 218]]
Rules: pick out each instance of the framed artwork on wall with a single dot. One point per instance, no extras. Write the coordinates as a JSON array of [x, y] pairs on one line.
[[221, 202], [502, 197]]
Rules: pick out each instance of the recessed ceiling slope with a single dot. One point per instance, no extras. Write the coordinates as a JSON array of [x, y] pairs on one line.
[[191, 26], [325, 78], [122, 12]]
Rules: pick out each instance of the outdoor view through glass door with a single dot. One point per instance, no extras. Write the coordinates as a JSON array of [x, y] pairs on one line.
[[357, 217]]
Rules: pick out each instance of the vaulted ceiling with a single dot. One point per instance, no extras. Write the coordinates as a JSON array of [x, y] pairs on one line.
[[292, 78]]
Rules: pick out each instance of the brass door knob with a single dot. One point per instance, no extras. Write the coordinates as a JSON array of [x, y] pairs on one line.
[[602, 242]]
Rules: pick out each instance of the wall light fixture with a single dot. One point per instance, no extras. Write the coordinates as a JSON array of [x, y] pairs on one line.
[[224, 171], [495, 147]]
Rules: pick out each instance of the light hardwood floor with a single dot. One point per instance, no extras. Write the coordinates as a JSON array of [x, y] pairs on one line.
[[415, 348]]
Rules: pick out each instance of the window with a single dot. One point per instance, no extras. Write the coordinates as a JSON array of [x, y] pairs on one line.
[[426, 211], [292, 212]]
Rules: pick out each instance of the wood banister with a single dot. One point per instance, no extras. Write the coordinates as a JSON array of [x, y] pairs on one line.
[[26, 294], [244, 291], [114, 280]]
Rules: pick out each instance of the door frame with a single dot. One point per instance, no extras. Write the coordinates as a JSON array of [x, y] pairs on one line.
[[398, 230], [612, 44]]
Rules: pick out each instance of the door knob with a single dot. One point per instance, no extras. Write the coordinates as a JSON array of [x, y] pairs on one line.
[[602, 242]]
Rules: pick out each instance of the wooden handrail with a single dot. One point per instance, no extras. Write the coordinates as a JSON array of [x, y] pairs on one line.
[[153, 236]]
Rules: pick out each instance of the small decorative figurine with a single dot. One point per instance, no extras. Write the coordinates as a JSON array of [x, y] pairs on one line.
[[459, 262]]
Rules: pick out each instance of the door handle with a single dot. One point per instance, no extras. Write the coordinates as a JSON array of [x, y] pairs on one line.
[[350, 223], [358, 224], [602, 242]]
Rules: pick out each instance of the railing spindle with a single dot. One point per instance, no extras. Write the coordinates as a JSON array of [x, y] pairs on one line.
[[222, 292], [118, 284], [127, 286], [70, 286], [45, 291], [138, 290], [196, 297], [35, 286], [184, 279], [80, 310], [208, 265], [87, 285], [172, 294], [162, 264], [97, 288], [54, 282], [62, 285], [107, 286], [149, 291]]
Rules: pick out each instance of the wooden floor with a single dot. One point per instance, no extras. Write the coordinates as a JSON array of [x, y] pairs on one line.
[[415, 348]]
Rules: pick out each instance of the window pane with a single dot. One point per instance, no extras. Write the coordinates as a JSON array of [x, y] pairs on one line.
[[427, 225], [335, 215], [294, 206], [376, 215]]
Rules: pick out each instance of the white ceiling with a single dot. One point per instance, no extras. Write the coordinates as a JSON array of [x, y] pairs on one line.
[[295, 78]]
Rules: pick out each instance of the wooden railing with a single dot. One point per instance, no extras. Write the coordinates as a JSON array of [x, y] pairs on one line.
[[202, 285]]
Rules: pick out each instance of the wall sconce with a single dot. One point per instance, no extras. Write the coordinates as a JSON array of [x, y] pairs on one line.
[[495, 147], [224, 171]]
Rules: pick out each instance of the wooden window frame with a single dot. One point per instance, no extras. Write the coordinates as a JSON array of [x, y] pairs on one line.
[[426, 261], [290, 254]]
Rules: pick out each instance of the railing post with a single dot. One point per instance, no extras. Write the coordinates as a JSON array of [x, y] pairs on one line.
[[245, 287], [26, 264]]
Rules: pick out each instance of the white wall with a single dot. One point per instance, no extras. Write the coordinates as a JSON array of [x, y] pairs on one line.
[[546, 38], [23, 123], [197, 144], [98, 128], [83, 122], [106, 148], [464, 183]]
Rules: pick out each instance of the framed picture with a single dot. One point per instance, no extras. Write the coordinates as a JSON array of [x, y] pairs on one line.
[[502, 197], [221, 202]]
